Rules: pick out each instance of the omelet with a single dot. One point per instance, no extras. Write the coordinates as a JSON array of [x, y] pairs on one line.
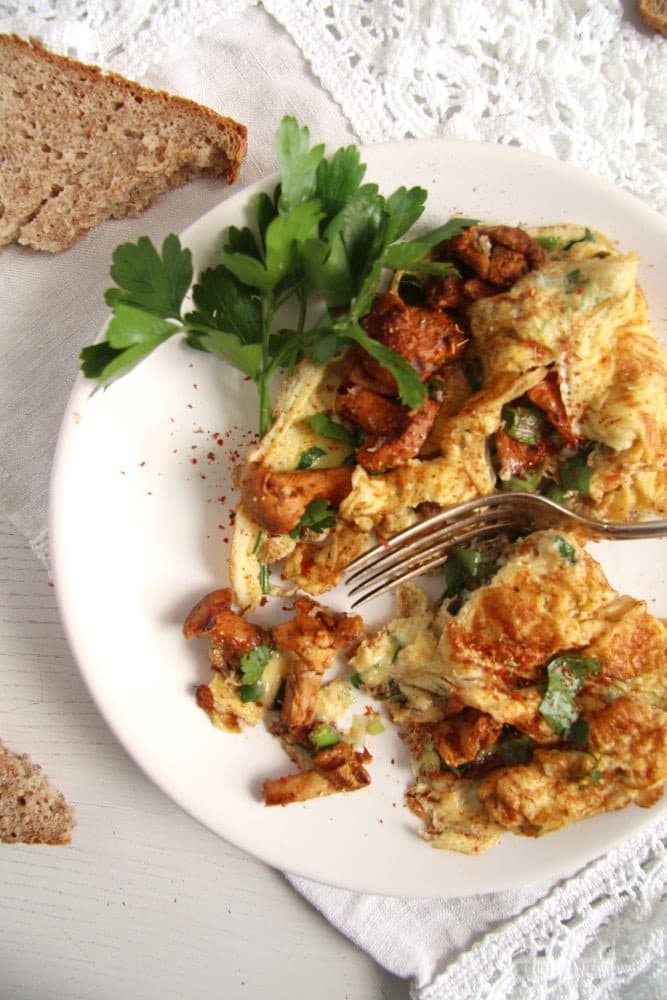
[[541, 373], [536, 700]]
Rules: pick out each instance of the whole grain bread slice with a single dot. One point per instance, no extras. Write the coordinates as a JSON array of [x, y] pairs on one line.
[[79, 146], [32, 811]]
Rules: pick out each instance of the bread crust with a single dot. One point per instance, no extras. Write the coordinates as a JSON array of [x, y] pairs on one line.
[[654, 14], [79, 145]]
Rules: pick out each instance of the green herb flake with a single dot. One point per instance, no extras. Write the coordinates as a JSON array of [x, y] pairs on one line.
[[565, 549], [588, 237], [310, 457], [318, 516], [574, 281], [565, 679], [355, 680], [258, 542]]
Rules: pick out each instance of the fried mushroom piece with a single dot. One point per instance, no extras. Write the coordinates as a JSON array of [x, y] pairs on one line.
[[499, 255], [278, 500], [374, 413], [461, 737], [312, 638], [339, 768], [231, 635], [387, 451], [426, 338]]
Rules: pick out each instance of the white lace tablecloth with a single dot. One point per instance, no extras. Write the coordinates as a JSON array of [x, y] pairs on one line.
[[580, 80]]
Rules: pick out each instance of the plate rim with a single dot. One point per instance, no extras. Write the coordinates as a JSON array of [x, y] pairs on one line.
[[240, 199]]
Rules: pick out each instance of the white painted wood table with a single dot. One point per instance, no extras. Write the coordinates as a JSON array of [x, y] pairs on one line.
[[145, 902]]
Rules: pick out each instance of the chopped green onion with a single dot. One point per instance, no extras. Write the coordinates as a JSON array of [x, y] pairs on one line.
[[355, 680], [466, 568], [555, 492], [323, 736], [549, 242], [375, 727], [253, 662], [258, 542], [523, 423], [322, 424], [574, 281], [265, 578], [515, 750], [522, 484]]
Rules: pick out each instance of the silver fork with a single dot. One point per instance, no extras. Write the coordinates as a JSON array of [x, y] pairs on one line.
[[426, 545]]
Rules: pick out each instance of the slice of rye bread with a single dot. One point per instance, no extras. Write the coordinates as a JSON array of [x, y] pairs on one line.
[[32, 811], [78, 146]]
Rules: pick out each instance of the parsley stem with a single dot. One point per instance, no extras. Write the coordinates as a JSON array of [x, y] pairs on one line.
[[265, 412]]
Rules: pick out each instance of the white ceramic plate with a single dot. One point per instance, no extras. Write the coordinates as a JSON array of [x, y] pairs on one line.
[[140, 521]]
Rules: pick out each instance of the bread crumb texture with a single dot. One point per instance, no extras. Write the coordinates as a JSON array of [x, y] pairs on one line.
[[79, 146], [32, 811]]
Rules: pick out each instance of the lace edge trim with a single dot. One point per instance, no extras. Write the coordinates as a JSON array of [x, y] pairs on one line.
[[491, 957]]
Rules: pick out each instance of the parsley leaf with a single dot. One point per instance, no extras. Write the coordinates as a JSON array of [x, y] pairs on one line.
[[319, 243], [410, 255], [410, 388], [298, 163], [338, 179], [318, 516], [154, 282], [565, 679]]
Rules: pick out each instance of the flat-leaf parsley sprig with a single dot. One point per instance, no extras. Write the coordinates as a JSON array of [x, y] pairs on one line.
[[319, 243]]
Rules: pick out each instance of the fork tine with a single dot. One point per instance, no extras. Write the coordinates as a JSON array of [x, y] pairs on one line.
[[422, 561], [380, 582], [422, 544], [453, 514]]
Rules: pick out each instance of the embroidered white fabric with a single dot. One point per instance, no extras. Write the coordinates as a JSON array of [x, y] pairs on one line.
[[582, 80], [534, 75]]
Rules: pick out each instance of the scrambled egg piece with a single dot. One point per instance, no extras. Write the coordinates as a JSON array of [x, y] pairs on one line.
[[577, 318], [541, 700]]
